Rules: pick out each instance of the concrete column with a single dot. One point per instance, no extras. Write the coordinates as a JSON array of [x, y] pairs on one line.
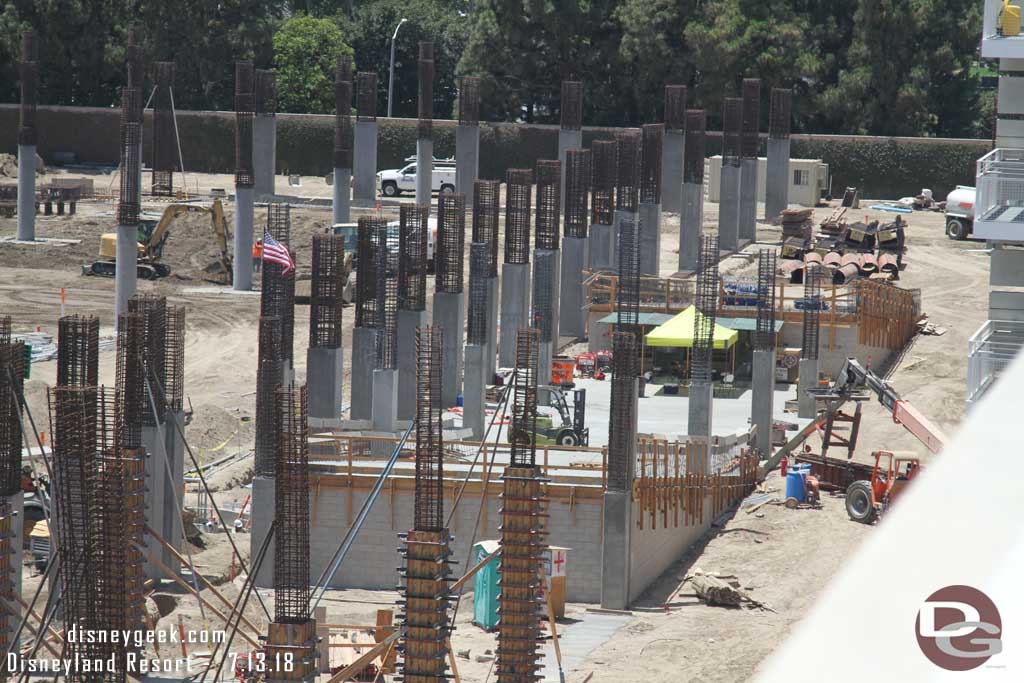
[[364, 163], [548, 260], [173, 487], [467, 157], [126, 270], [243, 238], [571, 314], [650, 238], [26, 196], [264, 154], [154, 441], [672, 171], [385, 400], [342, 195], [424, 169], [405, 352], [15, 562], [748, 200], [474, 388], [729, 207], [515, 309], [492, 328], [364, 359], [701, 409], [691, 226], [806, 405], [325, 369], [762, 398], [567, 139], [262, 506], [776, 181], [450, 315], [615, 549], [600, 246]]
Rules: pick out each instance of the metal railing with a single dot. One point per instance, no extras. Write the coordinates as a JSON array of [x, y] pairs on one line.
[[999, 203], [989, 351]]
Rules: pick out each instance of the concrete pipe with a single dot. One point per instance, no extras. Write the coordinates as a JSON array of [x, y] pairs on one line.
[[832, 259], [868, 265], [887, 263], [845, 273], [850, 258], [812, 257]]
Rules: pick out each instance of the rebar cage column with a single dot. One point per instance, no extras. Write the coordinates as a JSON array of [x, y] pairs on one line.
[[467, 135], [342, 140], [165, 142], [673, 148], [776, 198], [749, 147]]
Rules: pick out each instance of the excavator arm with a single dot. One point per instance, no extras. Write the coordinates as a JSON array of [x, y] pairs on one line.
[[854, 376]]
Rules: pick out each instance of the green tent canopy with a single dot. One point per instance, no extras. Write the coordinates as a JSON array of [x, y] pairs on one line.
[[678, 332]]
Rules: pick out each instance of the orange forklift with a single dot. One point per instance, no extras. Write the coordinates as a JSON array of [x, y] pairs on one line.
[[866, 500]]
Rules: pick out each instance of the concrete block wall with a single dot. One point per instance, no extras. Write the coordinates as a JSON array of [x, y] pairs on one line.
[[373, 560], [652, 551]]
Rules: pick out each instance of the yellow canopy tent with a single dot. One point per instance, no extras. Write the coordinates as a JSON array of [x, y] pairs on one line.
[[678, 332]]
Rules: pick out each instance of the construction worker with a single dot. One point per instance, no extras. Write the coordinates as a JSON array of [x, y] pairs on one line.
[[257, 256]]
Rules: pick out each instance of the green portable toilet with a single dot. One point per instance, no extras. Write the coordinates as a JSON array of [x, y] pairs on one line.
[[485, 587]]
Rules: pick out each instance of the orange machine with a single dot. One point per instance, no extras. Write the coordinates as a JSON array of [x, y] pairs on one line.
[[867, 500], [562, 368]]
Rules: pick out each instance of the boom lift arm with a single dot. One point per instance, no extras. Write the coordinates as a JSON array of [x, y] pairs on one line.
[[853, 376]]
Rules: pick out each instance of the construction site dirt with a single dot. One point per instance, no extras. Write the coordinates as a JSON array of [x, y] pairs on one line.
[[781, 557]]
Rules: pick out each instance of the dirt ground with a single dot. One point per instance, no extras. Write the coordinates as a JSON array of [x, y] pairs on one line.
[[784, 557]]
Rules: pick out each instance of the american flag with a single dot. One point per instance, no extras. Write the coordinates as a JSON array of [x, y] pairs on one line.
[[276, 252]]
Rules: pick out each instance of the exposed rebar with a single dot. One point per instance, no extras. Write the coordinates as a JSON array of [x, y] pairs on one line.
[[366, 96], [78, 351], [266, 92], [413, 231], [428, 508], [469, 100], [486, 200], [812, 305], [343, 113], [153, 308], [780, 115], [28, 75], [650, 166], [268, 379], [165, 142], [12, 385], [479, 271], [602, 199], [326, 291], [277, 291], [133, 405], [387, 248], [366, 270], [675, 108], [751, 140], [291, 507], [523, 427], [131, 135], [693, 153], [572, 105], [627, 170], [577, 188], [622, 418], [425, 66], [706, 303], [245, 110], [279, 222], [764, 337], [451, 240], [732, 130], [517, 215], [627, 303], [549, 204], [174, 359]]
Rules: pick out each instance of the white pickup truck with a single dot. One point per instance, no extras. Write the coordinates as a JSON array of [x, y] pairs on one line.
[[393, 182]]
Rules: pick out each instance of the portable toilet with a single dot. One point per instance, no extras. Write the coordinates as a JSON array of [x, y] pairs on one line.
[[485, 587]]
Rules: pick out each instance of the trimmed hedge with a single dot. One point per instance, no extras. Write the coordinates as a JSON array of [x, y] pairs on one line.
[[880, 167]]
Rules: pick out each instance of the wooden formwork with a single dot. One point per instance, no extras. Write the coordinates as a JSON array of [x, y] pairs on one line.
[[521, 598], [888, 314], [425, 643], [291, 652]]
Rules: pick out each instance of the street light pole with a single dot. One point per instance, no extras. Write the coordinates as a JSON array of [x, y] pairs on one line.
[[391, 74]]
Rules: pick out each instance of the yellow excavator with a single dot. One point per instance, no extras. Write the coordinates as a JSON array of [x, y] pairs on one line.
[[153, 235]]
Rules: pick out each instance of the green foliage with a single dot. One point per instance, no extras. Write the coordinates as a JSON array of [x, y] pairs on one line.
[[306, 51]]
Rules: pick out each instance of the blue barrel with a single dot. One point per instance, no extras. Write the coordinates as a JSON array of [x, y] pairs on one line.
[[795, 484], [459, 400]]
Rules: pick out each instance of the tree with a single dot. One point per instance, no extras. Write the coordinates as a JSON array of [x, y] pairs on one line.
[[369, 34], [306, 51]]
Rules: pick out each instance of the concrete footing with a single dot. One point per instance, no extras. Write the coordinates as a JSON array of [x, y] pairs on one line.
[[567, 139], [672, 172], [776, 180], [385, 400], [762, 398], [364, 163], [748, 200], [264, 154], [650, 238], [515, 309], [242, 275], [691, 226], [572, 320], [364, 359], [341, 206], [601, 246], [408, 322], [729, 207], [615, 549], [474, 387], [467, 158], [492, 328], [449, 314], [701, 409], [126, 270], [806, 405], [424, 160], [27, 195], [325, 369], [263, 511]]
